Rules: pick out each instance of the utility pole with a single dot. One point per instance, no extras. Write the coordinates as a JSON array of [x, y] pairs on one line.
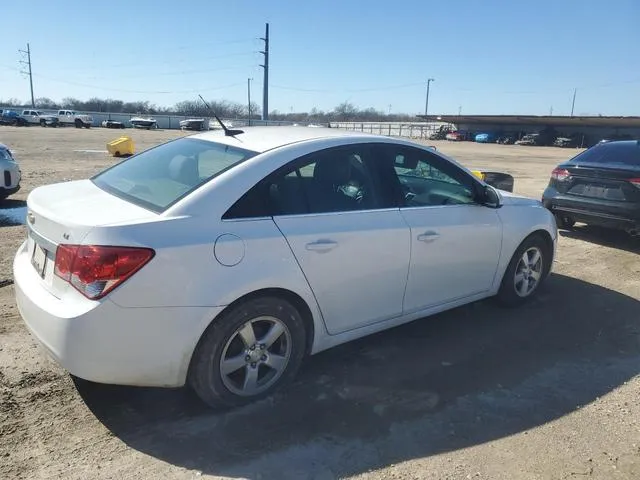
[[426, 105], [265, 83], [28, 64], [573, 103], [249, 98]]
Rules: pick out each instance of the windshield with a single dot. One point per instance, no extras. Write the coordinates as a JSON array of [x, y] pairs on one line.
[[5, 155], [613, 153], [157, 178]]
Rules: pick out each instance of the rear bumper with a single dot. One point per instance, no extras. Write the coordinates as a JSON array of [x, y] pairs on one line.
[[103, 342], [604, 213]]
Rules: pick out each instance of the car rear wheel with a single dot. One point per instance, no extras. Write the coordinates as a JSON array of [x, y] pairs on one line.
[[564, 222], [253, 349], [528, 268]]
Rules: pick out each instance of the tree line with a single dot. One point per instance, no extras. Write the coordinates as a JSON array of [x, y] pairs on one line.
[[346, 111]]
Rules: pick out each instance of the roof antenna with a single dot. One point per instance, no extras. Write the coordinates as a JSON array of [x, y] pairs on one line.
[[227, 131]]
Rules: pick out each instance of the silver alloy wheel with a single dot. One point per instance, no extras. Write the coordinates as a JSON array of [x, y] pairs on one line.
[[528, 272], [255, 356]]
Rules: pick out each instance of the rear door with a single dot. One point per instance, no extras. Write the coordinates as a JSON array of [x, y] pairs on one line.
[[353, 252]]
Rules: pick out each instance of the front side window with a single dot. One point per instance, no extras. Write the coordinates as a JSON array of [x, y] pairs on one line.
[[337, 179], [157, 178], [426, 180]]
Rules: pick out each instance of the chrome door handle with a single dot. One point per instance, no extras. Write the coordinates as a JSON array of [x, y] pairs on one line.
[[321, 245], [429, 236]]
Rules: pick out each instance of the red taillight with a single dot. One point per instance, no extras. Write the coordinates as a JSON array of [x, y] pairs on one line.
[[560, 174], [95, 270], [635, 182]]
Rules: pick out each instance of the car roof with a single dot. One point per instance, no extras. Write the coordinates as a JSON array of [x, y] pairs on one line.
[[261, 139]]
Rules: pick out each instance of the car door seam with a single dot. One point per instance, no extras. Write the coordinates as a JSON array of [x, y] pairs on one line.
[[326, 330], [406, 282]]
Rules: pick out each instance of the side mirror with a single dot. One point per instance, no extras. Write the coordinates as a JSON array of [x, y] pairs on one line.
[[491, 197]]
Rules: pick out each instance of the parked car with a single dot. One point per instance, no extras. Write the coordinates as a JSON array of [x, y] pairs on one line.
[[565, 142], [459, 136], [112, 124], [36, 117], [144, 122], [440, 133], [505, 140], [529, 139], [222, 259], [11, 174], [600, 186], [70, 117], [11, 117], [486, 137]]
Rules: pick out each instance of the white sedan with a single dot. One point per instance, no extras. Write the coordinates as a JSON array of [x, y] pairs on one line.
[[222, 260]]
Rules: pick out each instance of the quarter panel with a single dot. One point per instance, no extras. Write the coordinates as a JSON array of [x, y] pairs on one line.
[[185, 271]]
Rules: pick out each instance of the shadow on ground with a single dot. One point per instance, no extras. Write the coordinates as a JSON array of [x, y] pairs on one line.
[[605, 237], [458, 379], [12, 213]]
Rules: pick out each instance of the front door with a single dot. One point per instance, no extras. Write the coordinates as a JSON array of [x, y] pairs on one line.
[[353, 252], [455, 242]]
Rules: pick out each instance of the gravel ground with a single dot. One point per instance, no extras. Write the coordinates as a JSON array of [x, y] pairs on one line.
[[547, 391]]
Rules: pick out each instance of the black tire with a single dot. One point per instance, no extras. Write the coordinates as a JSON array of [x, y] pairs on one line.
[[205, 375], [87, 125], [43, 123], [78, 123], [564, 222], [507, 295]]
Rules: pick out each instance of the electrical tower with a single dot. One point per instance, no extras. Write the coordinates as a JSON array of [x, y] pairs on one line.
[[27, 52], [265, 83]]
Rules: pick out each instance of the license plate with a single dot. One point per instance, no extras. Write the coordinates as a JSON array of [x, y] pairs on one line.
[[593, 191], [39, 259]]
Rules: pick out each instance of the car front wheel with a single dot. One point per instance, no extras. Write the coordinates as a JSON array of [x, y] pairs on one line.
[[527, 269], [250, 351]]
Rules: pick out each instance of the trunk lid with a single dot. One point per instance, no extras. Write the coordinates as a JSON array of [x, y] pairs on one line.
[[66, 213], [596, 181]]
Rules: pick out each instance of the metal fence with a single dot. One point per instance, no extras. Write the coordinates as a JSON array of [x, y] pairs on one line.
[[393, 129]]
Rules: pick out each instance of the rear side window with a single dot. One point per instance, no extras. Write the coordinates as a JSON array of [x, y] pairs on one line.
[[338, 179], [620, 153], [159, 177]]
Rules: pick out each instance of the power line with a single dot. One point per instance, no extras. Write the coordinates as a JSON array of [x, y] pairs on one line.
[[156, 63], [28, 64], [149, 92]]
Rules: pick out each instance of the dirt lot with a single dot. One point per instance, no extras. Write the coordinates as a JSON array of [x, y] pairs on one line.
[[548, 391]]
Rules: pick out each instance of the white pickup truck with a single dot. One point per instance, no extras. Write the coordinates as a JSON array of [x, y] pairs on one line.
[[36, 117], [70, 117]]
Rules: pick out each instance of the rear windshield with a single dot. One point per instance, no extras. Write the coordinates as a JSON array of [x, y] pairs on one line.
[[157, 178], [614, 153]]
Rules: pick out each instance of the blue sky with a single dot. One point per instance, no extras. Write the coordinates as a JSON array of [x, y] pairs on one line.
[[491, 56]]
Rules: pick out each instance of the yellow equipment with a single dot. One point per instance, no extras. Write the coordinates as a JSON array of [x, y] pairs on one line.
[[478, 174], [121, 147]]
